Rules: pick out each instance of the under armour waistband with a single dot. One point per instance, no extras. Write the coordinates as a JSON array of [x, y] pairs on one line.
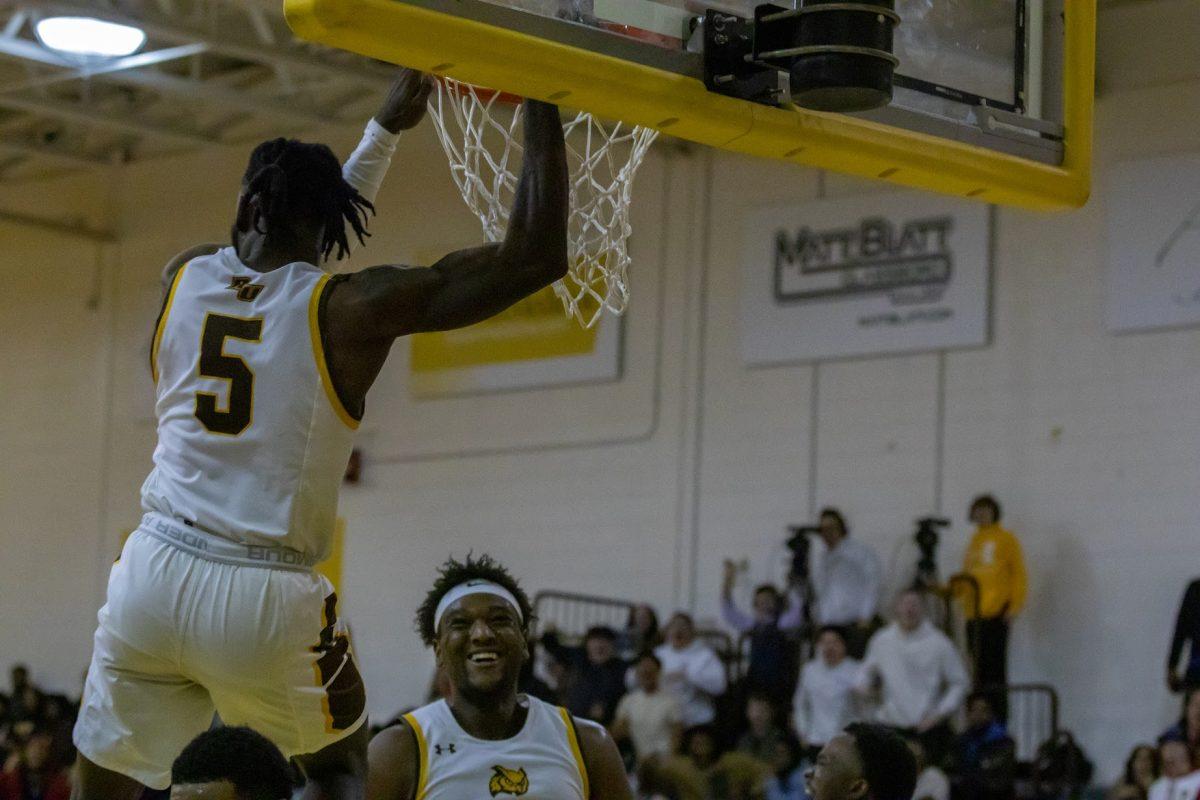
[[208, 545]]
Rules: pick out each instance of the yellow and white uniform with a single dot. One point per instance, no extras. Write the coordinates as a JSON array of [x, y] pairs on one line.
[[252, 439], [214, 604], [542, 762]]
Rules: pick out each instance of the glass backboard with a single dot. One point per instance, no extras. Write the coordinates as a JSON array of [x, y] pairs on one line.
[[992, 98]]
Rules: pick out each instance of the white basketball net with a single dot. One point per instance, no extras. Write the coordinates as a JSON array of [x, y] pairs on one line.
[[481, 131]]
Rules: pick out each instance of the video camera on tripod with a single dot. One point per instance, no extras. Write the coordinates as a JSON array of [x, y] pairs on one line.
[[799, 544], [927, 538]]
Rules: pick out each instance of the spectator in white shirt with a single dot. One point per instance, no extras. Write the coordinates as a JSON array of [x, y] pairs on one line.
[[691, 671], [1180, 779], [919, 676], [648, 716], [846, 582], [825, 701]]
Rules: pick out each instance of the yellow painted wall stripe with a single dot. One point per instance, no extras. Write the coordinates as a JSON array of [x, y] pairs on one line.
[[162, 322], [526, 65], [314, 329], [423, 752], [574, 740]]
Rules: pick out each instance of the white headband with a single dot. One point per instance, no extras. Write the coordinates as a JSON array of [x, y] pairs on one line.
[[475, 587]]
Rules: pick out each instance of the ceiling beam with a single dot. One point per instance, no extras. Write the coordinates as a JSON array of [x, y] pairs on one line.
[[59, 155], [159, 81], [236, 47], [102, 119]]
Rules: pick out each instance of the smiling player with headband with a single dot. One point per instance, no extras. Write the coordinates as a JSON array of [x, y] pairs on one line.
[[485, 739]]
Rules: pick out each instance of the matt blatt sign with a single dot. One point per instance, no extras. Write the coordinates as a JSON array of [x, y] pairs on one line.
[[875, 256], [865, 275]]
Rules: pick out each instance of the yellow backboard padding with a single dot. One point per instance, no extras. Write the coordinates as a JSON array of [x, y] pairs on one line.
[[485, 55], [532, 329]]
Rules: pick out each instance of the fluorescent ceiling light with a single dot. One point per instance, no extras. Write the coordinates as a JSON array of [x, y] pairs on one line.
[[88, 37]]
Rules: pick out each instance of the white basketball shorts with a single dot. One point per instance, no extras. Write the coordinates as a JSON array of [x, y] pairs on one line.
[[182, 636]]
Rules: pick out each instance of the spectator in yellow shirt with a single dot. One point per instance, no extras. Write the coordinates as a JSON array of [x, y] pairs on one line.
[[994, 560]]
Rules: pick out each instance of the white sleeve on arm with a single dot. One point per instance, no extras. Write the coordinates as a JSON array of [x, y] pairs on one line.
[[368, 164], [868, 671], [803, 704], [954, 673], [872, 575], [706, 673]]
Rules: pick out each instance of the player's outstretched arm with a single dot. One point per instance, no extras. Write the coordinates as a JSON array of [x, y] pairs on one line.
[[468, 286], [606, 771], [403, 108], [392, 762]]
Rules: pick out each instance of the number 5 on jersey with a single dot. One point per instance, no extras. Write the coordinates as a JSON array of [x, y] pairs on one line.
[[215, 363]]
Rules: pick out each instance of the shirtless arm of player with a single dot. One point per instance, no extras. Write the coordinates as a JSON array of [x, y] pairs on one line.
[[392, 760], [468, 286], [606, 771], [366, 311]]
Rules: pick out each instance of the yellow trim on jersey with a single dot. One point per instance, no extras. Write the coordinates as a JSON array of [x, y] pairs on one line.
[[423, 751], [574, 742], [162, 322], [314, 328]]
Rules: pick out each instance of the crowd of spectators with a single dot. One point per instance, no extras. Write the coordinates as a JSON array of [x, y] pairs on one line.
[[690, 733], [1169, 769], [35, 741]]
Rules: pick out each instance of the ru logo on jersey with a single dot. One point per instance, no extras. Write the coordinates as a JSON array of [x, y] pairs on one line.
[[508, 781], [246, 290]]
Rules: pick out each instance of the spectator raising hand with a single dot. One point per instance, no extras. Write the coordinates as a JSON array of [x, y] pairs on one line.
[[772, 669], [595, 673]]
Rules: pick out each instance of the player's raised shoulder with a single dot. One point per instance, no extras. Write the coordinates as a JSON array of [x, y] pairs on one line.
[[382, 302]]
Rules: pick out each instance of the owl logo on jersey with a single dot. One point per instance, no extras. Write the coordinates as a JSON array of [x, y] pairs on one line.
[[508, 781]]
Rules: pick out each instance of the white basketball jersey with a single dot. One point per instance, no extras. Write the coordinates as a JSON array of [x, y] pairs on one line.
[[542, 762], [252, 438]]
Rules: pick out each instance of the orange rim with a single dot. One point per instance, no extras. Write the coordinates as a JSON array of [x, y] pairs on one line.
[[485, 95]]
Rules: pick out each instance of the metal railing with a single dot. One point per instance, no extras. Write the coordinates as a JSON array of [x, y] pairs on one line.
[[572, 614], [957, 603], [1032, 715]]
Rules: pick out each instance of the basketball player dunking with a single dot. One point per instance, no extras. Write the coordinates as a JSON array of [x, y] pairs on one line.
[[485, 740], [262, 363]]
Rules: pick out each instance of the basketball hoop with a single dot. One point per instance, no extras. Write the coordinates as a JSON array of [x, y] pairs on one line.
[[480, 130]]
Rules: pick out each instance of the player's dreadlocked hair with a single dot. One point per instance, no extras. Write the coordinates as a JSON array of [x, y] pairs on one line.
[[455, 572], [301, 181]]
